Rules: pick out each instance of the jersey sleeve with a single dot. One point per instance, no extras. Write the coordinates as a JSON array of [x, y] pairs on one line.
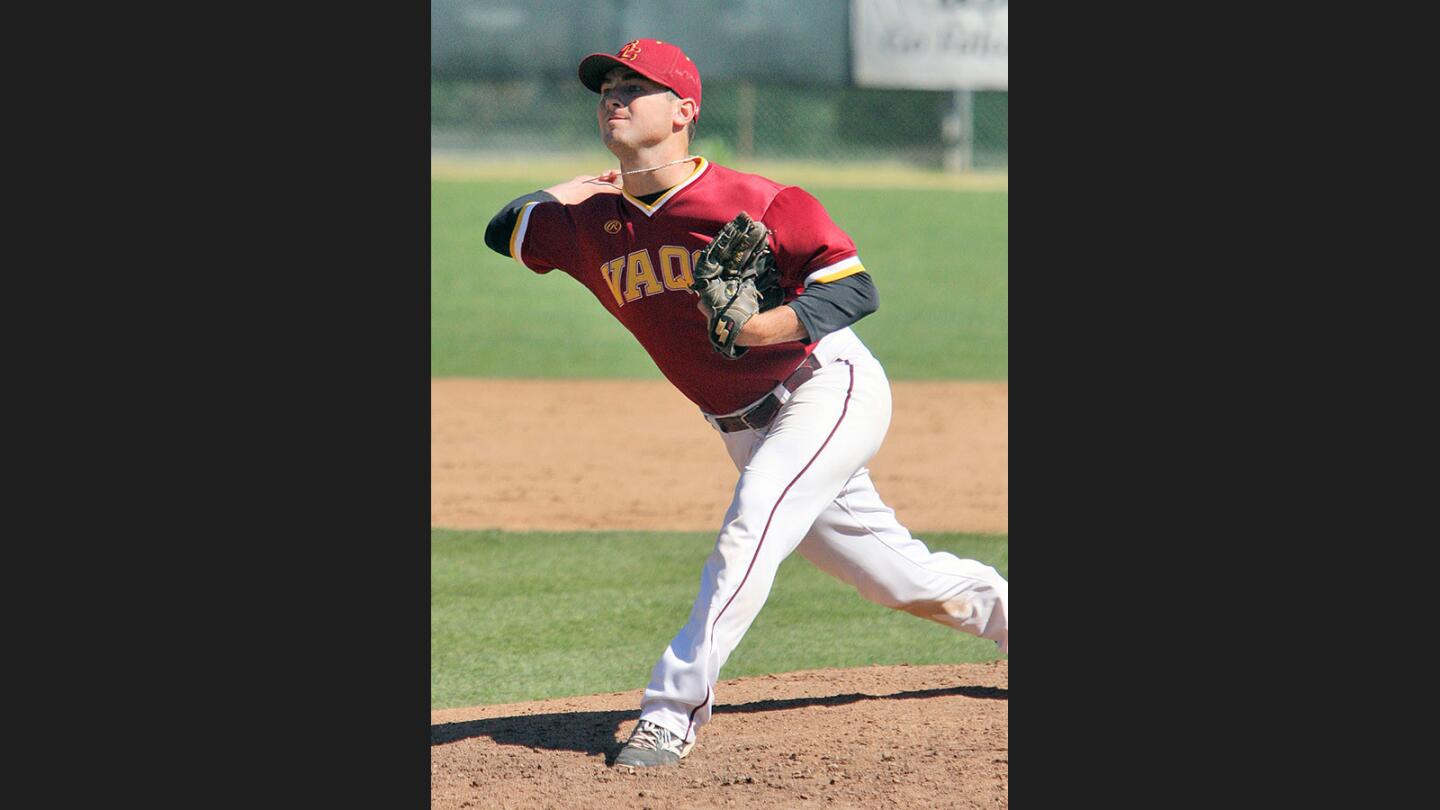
[[544, 237], [502, 225], [809, 247]]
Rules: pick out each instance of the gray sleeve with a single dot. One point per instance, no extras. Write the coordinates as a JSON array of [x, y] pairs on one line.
[[824, 308], [497, 233]]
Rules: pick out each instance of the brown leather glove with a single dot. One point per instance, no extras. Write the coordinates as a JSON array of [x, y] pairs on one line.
[[736, 278]]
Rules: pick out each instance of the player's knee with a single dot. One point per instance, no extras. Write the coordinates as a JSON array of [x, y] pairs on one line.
[[983, 592]]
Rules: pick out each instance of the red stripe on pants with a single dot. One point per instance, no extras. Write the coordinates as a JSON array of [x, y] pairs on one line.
[[845, 409]]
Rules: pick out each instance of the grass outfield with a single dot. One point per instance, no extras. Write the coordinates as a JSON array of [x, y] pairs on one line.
[[518, 616], [939, 258]]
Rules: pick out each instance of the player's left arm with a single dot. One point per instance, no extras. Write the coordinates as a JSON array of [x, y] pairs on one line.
[[812, 253], [823, 308]]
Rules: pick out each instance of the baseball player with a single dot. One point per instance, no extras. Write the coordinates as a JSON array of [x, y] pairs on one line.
[[743, 291]]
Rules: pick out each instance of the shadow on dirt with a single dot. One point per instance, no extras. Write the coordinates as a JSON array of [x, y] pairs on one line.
[[594, 732]]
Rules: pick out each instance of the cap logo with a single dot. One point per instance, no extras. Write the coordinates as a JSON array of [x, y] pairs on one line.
[[630, 51]]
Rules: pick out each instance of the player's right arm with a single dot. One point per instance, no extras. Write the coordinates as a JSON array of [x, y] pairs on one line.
[[518, 232], [585, 186], [502, 228]]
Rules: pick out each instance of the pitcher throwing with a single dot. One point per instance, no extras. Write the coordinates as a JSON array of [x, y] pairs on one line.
[[743, 291]]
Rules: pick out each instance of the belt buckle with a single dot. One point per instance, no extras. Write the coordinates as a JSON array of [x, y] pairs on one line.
[[745, 419], [763, 406]]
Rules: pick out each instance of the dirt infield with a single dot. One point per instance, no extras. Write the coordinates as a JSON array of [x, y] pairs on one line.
[[635, 454], [912, 737]]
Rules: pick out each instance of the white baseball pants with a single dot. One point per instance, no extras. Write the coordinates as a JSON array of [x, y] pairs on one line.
[[803, 484]]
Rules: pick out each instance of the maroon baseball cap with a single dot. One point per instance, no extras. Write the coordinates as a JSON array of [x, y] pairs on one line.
[[660, 62]]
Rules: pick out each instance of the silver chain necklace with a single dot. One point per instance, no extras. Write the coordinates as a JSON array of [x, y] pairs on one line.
[[661, 166], [639, 171]]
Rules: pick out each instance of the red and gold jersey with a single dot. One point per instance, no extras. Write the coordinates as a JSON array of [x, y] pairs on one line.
[[636, 259]]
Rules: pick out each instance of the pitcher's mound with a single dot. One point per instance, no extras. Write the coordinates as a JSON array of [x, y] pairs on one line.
[[906, 736]]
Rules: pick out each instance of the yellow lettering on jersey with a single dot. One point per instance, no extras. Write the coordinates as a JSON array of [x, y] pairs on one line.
[[675, 267], [612, 271], [641, 274]]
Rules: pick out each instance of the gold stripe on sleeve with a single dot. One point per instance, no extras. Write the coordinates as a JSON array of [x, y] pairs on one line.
[[839, 274], [516, 230]]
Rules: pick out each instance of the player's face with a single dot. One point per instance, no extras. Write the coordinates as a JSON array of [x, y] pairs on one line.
[[634, 112]]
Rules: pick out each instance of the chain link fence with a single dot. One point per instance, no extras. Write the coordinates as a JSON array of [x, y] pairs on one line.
[[740, 120]]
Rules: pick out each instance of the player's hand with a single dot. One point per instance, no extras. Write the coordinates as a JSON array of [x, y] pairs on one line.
[[584, 186]]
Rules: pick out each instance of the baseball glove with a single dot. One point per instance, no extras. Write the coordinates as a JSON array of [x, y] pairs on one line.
[[735, 278]]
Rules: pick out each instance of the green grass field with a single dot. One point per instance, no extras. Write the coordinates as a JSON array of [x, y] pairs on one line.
[[522, 616], [939, 259]]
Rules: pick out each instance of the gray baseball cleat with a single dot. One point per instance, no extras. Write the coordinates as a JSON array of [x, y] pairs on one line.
[[651, 745]]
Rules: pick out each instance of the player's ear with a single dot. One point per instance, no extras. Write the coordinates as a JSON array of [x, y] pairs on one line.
[[684, 113]]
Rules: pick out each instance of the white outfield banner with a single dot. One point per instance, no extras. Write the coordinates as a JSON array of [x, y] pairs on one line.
[[931, 44]]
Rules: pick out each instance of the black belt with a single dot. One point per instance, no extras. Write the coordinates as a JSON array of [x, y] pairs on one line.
[[760, 414]]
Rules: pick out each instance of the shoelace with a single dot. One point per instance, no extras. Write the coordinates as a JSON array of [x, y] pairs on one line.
[[647, 735]]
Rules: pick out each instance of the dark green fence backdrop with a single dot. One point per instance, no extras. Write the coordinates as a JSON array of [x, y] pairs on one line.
[[777, 81]]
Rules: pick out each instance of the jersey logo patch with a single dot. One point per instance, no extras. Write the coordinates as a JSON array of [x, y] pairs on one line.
[[613, 226], [630, 51]]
